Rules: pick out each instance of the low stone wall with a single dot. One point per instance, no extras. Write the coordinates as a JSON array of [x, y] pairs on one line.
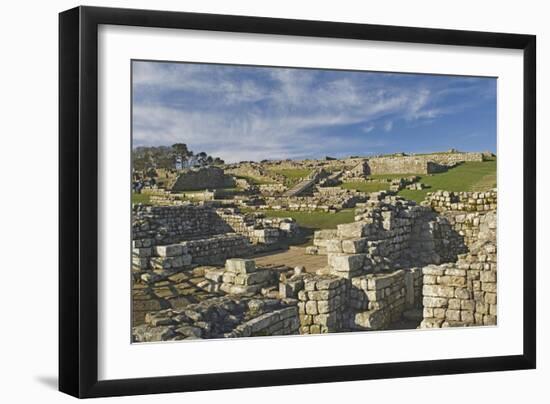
[[218, 248], [172, 224], [171, 258], [322, 304], [259, 229], [241, 277], [442, 201], [324, 199], [272, 189], [464, 293], [161, 225], [210, 250], [378, 300]]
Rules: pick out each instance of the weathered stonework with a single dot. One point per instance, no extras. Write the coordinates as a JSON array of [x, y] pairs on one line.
[[442, 201], [464, 293]]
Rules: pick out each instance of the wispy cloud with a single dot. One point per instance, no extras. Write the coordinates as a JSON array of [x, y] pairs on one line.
[[247, 113]]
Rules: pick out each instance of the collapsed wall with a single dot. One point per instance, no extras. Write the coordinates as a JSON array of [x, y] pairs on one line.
[[174, 237], [396, 260], [464, 293]]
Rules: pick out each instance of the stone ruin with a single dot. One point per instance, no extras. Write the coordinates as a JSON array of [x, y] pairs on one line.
[[201, 178], [412, 164], [397, 264]]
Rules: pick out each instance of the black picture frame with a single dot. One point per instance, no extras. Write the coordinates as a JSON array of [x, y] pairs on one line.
[[78, 200]]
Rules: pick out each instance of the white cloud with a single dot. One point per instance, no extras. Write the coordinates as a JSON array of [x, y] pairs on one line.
[[224, 118], [368, 128]]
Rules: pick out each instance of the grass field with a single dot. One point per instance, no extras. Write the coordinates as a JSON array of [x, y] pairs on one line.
[[469, 176], [311, 221], [366, 186], [292, 175], [140, 198]]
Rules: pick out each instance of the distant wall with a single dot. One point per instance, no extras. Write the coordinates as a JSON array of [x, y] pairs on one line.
[[403, 165], [418, 164]]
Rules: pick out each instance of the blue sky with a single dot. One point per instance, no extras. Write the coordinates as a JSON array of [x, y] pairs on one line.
[[254, 113]]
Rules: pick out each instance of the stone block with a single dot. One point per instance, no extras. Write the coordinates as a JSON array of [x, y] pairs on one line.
[[489, 287], [333, 246], [488, 276], [435, 302], [447, 280], [351, 230], [438, 291], [462, 293], [371, 319], [467, 316], [311, 307], [171, 250], [258, 277], [491, 298], [240, 265], [354, 246], [141, 252], [346, 263], [433, 270], [453, 315], [469, 305], [431, 323]]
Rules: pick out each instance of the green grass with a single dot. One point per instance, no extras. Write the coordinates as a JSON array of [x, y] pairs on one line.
[[292, 175], [469, 176], [140, 198], [366, 186], [311, 221]]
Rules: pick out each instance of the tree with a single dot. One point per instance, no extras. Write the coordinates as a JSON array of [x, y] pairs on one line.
[[180, 149]]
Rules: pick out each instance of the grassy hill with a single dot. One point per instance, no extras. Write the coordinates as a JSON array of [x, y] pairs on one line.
[[469, 176]]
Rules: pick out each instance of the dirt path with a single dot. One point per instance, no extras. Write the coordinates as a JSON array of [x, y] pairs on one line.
[[293, 257]]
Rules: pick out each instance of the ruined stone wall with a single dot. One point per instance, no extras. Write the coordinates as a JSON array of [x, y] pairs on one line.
[[323, 304], [219, 317], [208, 235], [380, 299], [418, 164], [272, 189], [324, 199], [157, 225], [258, 228], [464, 293], [450, 159], [402, 165], [396, 256], [443, 201], [203, 178]]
